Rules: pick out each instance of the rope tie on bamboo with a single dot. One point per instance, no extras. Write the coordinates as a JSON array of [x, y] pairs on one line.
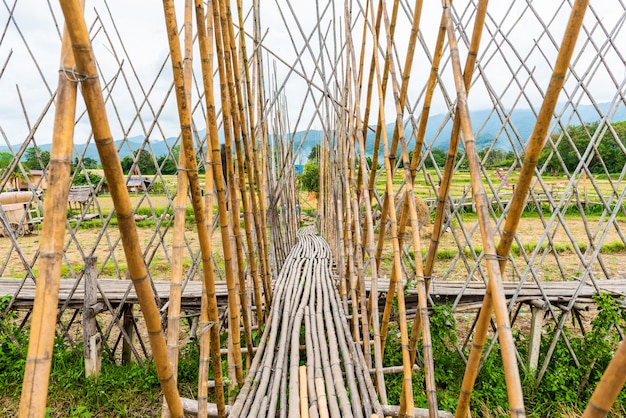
[[495, 257], [70, 73], [186, 169], [74, 76]]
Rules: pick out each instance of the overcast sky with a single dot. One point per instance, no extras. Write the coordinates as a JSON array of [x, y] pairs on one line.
[[30, 54]]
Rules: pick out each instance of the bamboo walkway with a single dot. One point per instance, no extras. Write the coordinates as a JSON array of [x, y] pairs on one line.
[[307, 310]]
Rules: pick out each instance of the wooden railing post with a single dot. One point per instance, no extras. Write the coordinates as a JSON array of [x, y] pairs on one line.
[[92, 341]]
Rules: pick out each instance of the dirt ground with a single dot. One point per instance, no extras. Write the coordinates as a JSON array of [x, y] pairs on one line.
[[156, 245]]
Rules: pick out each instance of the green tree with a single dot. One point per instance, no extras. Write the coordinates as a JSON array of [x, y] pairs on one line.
[[32, 161], [81, 180], [315, 152], [310, 178], [144, 166], [576, 141], [437, 156], [5, 159], [127, 163]]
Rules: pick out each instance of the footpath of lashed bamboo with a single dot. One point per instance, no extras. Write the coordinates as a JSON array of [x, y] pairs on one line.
[[306, 310]]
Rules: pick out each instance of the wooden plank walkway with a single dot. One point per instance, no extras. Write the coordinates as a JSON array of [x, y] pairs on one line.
[[118, 291]]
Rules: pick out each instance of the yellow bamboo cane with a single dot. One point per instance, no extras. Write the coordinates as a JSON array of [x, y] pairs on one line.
[[406, 356], [180, 211], [444, 188], [609, 387], [535, 144], [44, 313], [513, 383], [218, 179], [94, 101]]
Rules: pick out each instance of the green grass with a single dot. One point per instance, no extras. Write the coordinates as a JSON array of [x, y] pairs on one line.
[[565, 388]]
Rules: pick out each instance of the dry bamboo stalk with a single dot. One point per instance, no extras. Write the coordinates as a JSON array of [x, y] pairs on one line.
[[514, 390], [207, 76], [412, 211], [369, 237], [517, 204], [180, 211], [444, 188], [204, 322], [92, 93], [304, 398], [609, 386], [229, 56], [253, 171], [421, 315], [407, 375], [241, 141], [221, 193], [44, 313]]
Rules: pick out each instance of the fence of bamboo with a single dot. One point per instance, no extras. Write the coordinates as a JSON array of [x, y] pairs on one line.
[[253, 87]]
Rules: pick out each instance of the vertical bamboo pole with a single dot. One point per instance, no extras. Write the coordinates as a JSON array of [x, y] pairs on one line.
[[180, 211], [443, 191], [231, 120], [94, 101], [609, 387], [205, 324], [43, 323], [369, 225], [241, 140], [431, 393], [406, 356], [507, 347], [446, 181], [516, 207], [254, 177], [218, 178]]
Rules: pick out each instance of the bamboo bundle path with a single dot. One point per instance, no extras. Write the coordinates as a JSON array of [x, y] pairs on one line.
[[307, 310]]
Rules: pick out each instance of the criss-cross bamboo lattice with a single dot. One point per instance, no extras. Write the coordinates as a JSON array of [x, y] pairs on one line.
[[380, 89]]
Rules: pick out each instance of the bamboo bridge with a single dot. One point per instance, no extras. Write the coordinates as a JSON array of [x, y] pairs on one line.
[[211, 245]]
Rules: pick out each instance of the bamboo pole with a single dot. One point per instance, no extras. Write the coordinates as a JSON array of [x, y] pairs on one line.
[[609, 386], [180, 211], [227, 57], [92, 93], [369, 234], [516, 207], [241, 140], [445, 183], [514, 390], [204, 322], [407, 375], [431, 393], [218, 176], [44, 313], [254, 177]]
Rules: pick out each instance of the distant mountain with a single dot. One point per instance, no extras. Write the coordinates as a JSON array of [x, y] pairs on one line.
[[487, 125]]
